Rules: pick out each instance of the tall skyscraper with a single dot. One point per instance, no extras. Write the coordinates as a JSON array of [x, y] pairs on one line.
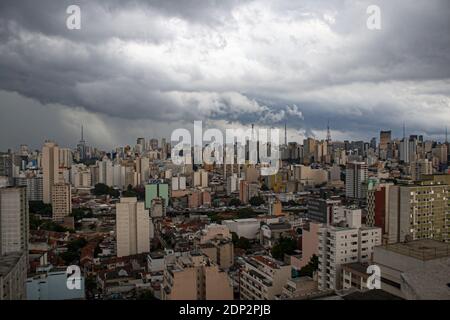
[[356, 175], [50, 168], [385, 140], [132, 227], [81, 147], [61, 201]]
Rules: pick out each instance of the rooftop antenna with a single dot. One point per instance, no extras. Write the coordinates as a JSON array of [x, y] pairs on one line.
[[328, 132], [285, 134], [446, 135]]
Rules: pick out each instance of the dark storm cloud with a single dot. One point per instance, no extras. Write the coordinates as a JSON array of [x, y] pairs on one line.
[[263, 62]]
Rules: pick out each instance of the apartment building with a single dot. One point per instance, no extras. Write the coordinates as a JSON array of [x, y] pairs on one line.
[[216, 243], [263, 278], [133, 227], [61, 201], [13, 275], [356, 175], [419, 211], [14, 235], [193, 276], [348, 242]]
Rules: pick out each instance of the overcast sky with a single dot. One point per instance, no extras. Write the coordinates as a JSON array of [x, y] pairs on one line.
[[144, 68]]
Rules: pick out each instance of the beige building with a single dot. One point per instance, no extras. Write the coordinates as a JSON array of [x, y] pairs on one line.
[[61, 201], [420, 168], [216, 243], [419, 211], [263, 278], [13, 276], [308, 176], [14, 224], [132, 227], [14, 234], [50, 168], [195, 277]]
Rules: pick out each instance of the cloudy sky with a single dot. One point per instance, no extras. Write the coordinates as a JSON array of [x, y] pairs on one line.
[[144, 68]]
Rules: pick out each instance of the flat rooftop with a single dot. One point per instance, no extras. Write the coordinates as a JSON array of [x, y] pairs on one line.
[[425, 249], [7, 262]]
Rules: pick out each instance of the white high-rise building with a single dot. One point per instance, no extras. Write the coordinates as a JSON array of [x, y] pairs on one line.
[[133, 227], [348, 242], [420, 168], [145, 170], [14, 224], [231, 184], [356, 175], [14, 234], [50, 168]]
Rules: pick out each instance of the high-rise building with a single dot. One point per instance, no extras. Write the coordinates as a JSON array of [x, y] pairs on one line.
[[6, 164], [231, 184], [421, 167], [132, 227], [61, 201], [13, 220], [81, 147], [385, 139], [35, 186], [153, 144], [378, 208], [419, 211], [322, 210], [356, 175], [65, 158], [14, 234], [348, 242], [50, 169]]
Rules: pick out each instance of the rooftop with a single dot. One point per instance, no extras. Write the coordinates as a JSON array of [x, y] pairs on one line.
[[424, 249], [7, 262]]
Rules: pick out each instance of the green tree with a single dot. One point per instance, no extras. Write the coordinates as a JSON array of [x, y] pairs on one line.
[[101, 189], [246, 213], [312, 266], [256, 201], [52, 226], [235, 202], [145, 295], [35, 222], [39, 207], [72, 255], [243, 243], [283, 246]]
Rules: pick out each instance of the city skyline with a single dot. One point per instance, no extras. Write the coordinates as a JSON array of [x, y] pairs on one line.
[[146, 68]]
